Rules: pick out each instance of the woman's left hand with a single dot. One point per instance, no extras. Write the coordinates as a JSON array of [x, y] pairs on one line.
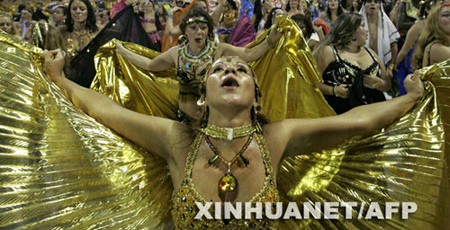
[[274, 34], [54, 64], [372, 81]]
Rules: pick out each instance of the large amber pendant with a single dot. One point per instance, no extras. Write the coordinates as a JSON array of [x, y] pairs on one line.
[[227, 185]]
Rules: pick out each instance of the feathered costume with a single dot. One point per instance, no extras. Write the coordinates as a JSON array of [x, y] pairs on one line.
[[62, 169]]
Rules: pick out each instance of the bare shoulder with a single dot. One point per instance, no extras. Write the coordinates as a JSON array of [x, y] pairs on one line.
[[325, 56], [438, 52], [181, 138]]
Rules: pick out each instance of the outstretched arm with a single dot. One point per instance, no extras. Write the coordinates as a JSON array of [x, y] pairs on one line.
[[411, 37], [162, 62], [152, 133], [254, 53], [170, 28], [310, 135]]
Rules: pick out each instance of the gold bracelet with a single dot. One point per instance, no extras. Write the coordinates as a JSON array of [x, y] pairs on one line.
[[391, 66], [271, 44]]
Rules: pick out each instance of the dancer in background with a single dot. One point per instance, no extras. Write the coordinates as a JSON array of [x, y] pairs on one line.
[[434, 42], [353, 74]]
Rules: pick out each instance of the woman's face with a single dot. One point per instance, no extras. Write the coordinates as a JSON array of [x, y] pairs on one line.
[[58, 15], [372, 7], [25, 15], [355, 3], [267, 5], [6, 24], [230, 82], [202, 5], [79, 11], [197, 33], [302, 26], [361, 34], [302, 5], [294, 4], [444, 20], [333, 4], [148, 7]]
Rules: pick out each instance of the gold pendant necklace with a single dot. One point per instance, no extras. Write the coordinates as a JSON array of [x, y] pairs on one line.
[[228, 133], [228, 183]]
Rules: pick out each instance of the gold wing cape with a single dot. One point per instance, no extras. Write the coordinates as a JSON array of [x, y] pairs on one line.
[[61, 169]]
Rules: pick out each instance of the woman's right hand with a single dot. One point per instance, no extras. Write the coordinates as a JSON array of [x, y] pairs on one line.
[[54, 64], [341, 91], [413, 85], [119, 48]]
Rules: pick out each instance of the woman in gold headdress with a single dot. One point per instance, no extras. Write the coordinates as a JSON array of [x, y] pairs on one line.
[[191, 58]]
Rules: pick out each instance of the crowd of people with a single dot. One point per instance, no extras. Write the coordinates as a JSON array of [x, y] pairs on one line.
[[365, 52], [390, 41]]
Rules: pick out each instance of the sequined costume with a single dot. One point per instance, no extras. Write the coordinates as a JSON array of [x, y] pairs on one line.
[[183, 200], [341, 71], [62, 169], [189, 79]]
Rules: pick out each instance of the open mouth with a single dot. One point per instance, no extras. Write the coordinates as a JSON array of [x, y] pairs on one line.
[[198, 39], [230, 82]]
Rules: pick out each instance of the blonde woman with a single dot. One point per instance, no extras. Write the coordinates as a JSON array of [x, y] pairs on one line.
[[434, 42]]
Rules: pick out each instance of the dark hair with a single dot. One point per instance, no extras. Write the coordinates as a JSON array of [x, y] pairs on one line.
[[258, 13], [268, 23], [300, 18], [288, 5], [341, 33], [339, 10], [232, 4], [64, 9], [424, 7], [90, 21], [197, 12]]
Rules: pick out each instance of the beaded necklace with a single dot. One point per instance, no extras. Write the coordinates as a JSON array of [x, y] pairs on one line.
[[228, 183]]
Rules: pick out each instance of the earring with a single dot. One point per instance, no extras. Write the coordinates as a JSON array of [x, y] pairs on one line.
[[182, 39], [201, 101], [254, 117]]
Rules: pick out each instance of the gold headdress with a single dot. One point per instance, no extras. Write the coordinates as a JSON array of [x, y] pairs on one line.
[[196, 20]]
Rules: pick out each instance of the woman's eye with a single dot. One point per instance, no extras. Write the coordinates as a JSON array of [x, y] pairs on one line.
[[217, 69], [242, 70]]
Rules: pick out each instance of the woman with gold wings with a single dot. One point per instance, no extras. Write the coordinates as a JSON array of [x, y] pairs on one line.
[[230, 123], [62, 169]]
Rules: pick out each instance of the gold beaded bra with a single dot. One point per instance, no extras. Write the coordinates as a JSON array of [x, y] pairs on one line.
[[184, 208]]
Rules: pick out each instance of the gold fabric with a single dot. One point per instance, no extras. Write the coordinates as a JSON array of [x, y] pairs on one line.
[[411, 10], [183, 201], [61, 169], [289, 67]]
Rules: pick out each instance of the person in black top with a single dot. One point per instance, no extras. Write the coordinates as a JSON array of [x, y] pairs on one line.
[[353, 75]]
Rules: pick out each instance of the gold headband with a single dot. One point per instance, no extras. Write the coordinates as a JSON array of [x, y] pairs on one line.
[[196, 20]]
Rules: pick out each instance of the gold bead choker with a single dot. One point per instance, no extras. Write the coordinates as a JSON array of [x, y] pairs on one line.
[[228, 133]]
